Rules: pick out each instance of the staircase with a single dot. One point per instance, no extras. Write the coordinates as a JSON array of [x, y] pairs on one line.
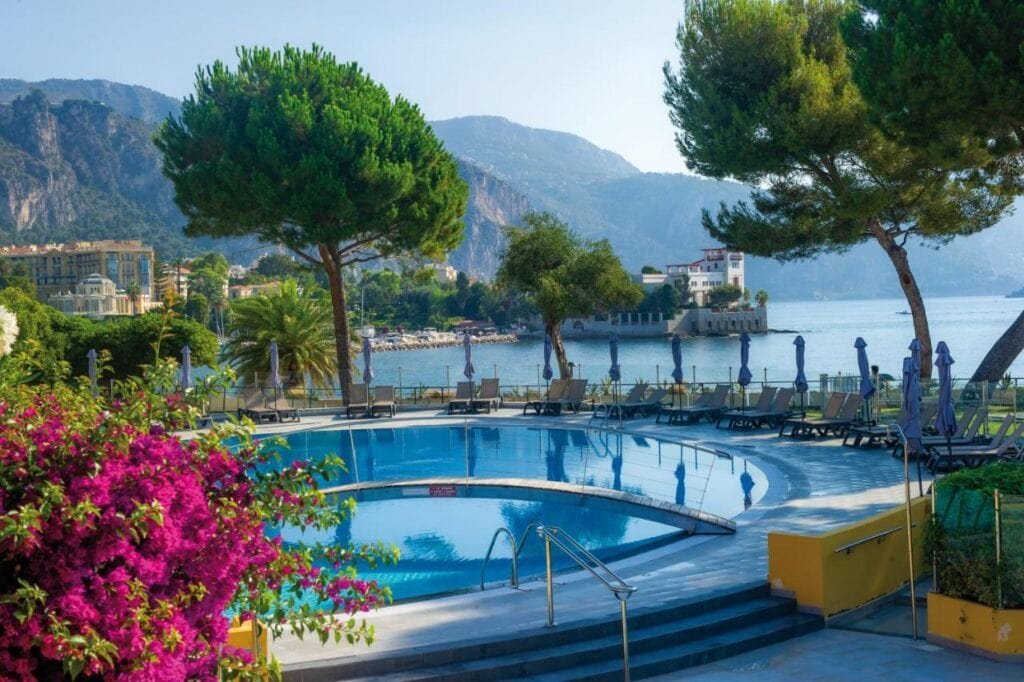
[[661, 640]]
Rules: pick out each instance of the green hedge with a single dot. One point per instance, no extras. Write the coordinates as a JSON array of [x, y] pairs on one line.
[[962, 541]]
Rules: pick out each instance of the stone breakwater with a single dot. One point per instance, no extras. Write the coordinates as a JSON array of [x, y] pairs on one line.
[[443, 343]]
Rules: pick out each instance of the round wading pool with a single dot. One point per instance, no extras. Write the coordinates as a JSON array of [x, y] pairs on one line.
[[441, 507]]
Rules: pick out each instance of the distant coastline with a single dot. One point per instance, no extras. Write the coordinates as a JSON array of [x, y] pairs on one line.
[[1016, 294], [446, 341]]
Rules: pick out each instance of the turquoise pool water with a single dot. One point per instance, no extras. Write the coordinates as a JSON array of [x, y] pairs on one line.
[[443, 540]]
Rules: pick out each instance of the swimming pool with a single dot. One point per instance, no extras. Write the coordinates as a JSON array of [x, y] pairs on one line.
[[443, 539]]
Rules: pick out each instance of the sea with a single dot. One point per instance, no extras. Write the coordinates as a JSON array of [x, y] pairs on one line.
[[969, 325]]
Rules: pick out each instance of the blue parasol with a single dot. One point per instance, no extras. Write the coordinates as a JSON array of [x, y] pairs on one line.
[[911, 416], [614, 372], [867, 388], [547, 359], [92, 370], [367, 361], [945, 420], [677, 361], [275, 368], [186, 367], [467, 347], [744, 377]]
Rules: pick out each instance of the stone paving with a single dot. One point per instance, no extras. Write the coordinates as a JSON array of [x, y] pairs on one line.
[[813, 486]]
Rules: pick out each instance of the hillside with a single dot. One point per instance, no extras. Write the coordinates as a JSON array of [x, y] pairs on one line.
[[72, 169], [135, 101]]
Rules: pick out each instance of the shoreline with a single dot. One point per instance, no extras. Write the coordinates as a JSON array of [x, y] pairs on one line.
[[443, 343]]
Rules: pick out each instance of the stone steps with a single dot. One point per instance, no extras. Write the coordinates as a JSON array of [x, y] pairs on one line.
[[661, 640]]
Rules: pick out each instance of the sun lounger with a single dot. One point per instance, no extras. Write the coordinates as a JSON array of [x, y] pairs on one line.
[[557, 390], [749, 418], [804, 427], [651, 403], [707, 406], [255, 407], [622, 408], [967, 428], [1003, 444], [383, 401], [463, 400], [284, 410], [575, 394], [489, 396], [358, 399]]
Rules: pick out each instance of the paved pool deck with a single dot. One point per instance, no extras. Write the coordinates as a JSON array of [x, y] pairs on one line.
[[814, 486]]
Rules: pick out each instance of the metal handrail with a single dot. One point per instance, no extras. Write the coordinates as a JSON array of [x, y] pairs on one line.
[[517, 549], [606, 576], [515, 557], [877, 536]]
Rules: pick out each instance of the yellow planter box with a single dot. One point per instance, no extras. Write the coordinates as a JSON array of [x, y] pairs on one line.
[[979, 629], [848, 567], [240, 636]]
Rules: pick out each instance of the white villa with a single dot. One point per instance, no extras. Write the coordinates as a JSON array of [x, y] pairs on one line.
[[718, 267]]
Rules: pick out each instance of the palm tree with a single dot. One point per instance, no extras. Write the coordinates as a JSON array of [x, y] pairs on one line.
[[134, 291], [301, 324]]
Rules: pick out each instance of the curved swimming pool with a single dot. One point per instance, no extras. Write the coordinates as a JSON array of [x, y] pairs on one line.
[[443, 539]]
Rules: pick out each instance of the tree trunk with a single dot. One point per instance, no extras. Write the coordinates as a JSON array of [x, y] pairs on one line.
[[554, 330], [898, 255], [339, 308], [1002, 354]]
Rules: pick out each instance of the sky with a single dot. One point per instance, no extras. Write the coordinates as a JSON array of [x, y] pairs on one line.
[[589, 68]]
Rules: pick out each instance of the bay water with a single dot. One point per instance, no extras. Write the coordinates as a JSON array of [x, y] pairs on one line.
[[969, 325]]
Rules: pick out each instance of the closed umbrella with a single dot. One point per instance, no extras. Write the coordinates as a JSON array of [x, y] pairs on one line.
[[915, 356], [467, 347], [867, 387], [367, 361], [911, 416], [614, 372], [945, 420], [186, 367], [800, 383], [275, 368], [92, 370], [677, 360], [744, 376], [547, 359]]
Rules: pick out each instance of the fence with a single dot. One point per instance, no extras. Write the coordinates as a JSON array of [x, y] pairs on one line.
[[1003, 397], [978, 546]]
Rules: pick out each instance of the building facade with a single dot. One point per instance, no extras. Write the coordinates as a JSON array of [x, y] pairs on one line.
[[59, 268], [717, 268], [96, 296]]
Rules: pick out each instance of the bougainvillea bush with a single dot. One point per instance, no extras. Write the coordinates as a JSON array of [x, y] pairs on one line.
[[122, 546]]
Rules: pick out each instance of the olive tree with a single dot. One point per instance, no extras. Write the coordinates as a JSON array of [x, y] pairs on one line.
[[312, 154]]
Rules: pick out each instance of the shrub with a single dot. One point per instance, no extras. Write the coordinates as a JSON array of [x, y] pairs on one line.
[[122, 546], [962, 541]]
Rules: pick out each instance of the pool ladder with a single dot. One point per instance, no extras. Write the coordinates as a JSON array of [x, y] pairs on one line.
[[552, 535]]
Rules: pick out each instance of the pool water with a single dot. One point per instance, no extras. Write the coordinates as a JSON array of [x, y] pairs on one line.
[[443, 540]]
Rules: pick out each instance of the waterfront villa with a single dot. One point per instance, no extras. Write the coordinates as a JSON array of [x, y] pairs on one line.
[[718, 267]]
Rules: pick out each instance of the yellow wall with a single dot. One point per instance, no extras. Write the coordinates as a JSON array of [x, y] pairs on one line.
[[996, 633], [830, 583]]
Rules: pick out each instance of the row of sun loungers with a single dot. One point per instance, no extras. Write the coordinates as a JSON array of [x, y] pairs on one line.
[[837, 417], [487, 398], [707, 406], [569, 394], [260, 409], [1005, 444], [773, 406]]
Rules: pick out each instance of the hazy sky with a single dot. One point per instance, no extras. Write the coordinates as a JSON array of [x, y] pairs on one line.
[[589, 68]]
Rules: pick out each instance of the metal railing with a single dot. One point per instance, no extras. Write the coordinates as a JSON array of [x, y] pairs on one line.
[[517, 548], [604, 575], [863, 541]]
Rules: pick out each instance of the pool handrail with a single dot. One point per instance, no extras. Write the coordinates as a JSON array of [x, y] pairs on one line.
[[622, 590], [517, 548]]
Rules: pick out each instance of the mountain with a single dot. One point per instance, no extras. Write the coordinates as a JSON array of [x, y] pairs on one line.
[[73, 169], [493, 203], [654, 218], [135, 101]]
